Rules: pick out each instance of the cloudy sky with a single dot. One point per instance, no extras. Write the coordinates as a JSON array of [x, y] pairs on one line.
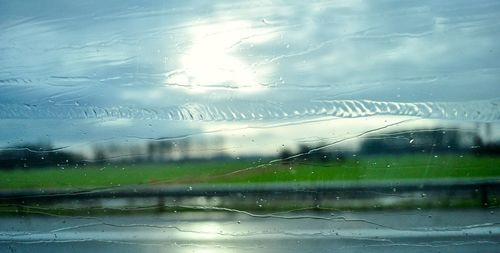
[[87, 71]]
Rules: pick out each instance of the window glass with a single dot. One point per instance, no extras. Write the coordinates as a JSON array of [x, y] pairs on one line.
[[297, 126]]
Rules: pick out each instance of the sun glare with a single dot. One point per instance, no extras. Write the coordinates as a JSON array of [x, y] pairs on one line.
[[214, 60]]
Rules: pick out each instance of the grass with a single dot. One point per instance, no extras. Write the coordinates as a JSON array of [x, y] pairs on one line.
[[377, 168], [407, 167]]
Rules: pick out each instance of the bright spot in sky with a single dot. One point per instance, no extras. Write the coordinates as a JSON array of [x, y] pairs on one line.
[[214, 60]]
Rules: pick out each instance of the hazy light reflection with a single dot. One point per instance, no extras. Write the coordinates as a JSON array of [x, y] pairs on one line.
[[206, 231], [214, 60]]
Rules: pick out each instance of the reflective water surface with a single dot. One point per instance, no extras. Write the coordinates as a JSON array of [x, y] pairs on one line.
[[394, 231]]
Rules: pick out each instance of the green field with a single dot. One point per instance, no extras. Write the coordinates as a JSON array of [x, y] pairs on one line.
[[373, 168]]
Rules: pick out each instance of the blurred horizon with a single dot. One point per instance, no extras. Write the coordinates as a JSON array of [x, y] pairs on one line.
[[403, 140], [82, 72]]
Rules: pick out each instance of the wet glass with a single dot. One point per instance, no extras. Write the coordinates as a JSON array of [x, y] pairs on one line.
[[193, 126]]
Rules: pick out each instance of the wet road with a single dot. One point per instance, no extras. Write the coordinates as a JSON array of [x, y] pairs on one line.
[[470, 230]]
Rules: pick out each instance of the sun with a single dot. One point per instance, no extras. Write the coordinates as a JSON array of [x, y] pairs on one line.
[[213, 60]]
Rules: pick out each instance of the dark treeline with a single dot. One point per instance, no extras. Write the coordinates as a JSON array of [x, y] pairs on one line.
[[155, 151], [30, 156], [308, 153], [36, 155], [425, 141], [430, 141]]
